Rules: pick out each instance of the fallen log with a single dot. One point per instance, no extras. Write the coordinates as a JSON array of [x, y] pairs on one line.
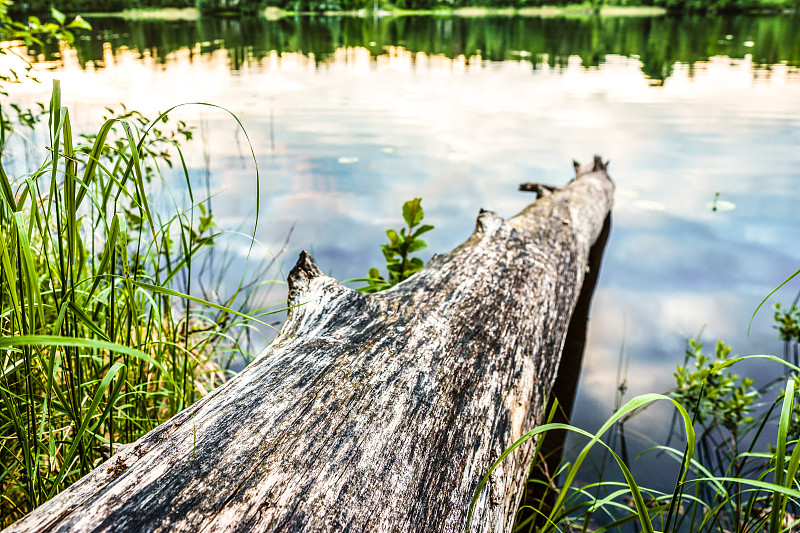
[[371, 412]]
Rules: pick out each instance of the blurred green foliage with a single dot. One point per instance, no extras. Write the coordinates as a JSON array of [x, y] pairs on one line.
[[33, 32], [86, 6], [252, 6], [547, 42]]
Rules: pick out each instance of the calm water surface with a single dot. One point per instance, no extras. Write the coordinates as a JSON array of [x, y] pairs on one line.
[[349, 117]]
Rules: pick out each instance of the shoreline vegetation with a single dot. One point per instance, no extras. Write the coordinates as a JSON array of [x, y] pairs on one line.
[[111, 321], [276, 9]]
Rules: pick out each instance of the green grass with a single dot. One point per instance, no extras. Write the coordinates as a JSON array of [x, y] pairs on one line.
[[722, 485], [102, 336]]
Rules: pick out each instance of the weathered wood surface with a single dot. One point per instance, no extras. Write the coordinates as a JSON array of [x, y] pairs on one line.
[[371, 413]]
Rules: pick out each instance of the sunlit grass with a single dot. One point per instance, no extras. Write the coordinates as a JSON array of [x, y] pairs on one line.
[[102, 336]]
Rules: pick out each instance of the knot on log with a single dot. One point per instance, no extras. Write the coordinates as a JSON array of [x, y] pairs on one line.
[[311, 293], [303, 272], [542, 189], [488, 223], [596, 166]]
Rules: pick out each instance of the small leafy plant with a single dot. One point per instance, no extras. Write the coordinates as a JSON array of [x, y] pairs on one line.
[[397, 253], [718, 397], [787, 322]]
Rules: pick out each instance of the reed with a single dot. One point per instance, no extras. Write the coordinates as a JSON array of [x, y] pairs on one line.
[[102, 336]]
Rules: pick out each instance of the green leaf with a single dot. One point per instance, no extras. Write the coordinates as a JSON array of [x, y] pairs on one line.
[[94, 159], [778, 500], [394, 238], [416, 245], [389, 253], [422, 229], [79, 23], [412, 212], [567, 481], [53, 340], [402, 243], [413, 266], [5, 185]]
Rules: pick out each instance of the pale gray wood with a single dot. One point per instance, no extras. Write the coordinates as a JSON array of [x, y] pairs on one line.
[[370, 413]]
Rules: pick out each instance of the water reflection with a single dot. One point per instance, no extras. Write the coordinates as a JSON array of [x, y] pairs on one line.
[[659, 42]]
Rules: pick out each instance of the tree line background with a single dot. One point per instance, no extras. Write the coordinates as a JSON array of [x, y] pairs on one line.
[[252, 6], [545, 41]]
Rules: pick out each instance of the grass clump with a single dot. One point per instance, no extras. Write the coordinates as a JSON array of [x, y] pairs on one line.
[[101, 335]]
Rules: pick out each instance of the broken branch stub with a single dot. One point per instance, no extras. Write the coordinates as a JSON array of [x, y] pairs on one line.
[[371, 412]]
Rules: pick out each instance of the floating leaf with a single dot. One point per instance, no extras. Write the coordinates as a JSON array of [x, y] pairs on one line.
[[650, 205], [721, 205], [348, 160]]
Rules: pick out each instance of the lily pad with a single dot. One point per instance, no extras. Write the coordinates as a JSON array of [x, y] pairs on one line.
[[721, 205], [650, 205], [348, 160]]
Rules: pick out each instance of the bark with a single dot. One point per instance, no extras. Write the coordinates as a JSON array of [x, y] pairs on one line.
[[539, 495], [371, 413]]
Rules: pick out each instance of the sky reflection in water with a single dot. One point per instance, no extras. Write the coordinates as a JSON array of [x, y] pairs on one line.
[[343, 139]]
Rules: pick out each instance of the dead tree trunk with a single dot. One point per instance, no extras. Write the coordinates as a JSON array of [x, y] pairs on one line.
[[371, 413]]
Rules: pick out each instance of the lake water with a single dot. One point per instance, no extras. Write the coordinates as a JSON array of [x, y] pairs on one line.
[[350, 116]]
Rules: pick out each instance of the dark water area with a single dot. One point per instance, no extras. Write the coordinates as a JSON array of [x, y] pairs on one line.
[[348, 117]]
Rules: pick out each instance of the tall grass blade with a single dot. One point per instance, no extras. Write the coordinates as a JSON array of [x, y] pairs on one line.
[[778, 500], [767, 297], [53, 340], [641, 508], [77, 438]]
